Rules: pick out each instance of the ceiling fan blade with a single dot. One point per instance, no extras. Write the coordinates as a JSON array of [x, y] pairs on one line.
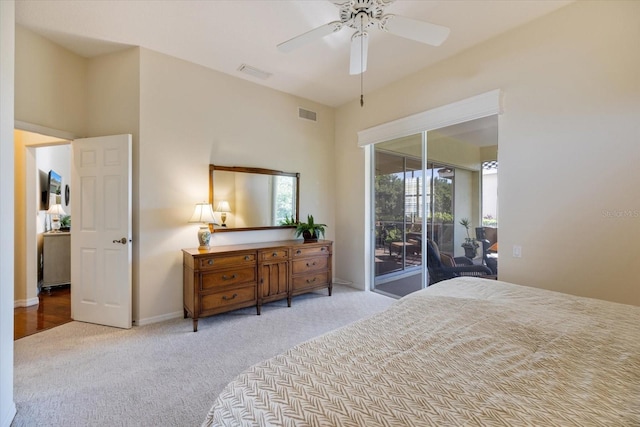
[[309, 36], [359, 49], [413, 29]]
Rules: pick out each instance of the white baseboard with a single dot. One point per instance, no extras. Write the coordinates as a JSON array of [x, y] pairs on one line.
[[26, 302], [161, 318]]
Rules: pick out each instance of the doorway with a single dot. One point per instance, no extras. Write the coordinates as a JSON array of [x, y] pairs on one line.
[[37, 153], [98, 260]]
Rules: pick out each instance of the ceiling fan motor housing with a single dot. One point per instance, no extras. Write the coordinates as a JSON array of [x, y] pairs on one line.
[[362, 14]]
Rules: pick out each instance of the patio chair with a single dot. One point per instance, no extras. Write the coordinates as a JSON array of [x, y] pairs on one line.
[[438, 271], [489, 258]]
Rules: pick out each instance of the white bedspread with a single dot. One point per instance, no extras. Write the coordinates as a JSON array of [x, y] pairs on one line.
[[463, 352]]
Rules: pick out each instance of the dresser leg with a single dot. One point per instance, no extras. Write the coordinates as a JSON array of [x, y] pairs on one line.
[[185, 313], [289, 301], [330, 289], [195, 325], [258, 307]]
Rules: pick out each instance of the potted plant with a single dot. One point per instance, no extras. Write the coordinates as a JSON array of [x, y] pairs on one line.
[[65, 223], [310, 230], [470, 245]]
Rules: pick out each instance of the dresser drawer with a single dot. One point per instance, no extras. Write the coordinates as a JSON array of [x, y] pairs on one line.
[[223, 261], [310, 281], [224, 278], [312, 250], [301, 266], [231, 297], [274, 254]]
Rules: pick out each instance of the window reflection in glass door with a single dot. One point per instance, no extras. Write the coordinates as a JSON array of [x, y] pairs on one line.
[[398, 211], [440, 193]]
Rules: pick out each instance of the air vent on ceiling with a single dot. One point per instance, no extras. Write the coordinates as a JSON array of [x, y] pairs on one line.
[[252, 71], [307, 114]]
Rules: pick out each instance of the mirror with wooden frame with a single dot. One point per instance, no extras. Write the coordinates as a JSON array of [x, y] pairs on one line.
[[246, 198]]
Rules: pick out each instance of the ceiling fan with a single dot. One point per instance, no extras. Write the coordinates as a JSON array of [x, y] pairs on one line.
[[361, 15]]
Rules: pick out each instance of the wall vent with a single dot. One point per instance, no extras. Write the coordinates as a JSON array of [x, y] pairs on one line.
[[307, 114]]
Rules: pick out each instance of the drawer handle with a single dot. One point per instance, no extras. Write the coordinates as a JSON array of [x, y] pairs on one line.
[[275, 254], [311, 280], [226, 298], [298, 252], [210, 262], [313, 263], [247, 258], [225, 277]]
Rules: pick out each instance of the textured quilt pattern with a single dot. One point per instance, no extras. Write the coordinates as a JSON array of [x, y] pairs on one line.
[[464, 352]]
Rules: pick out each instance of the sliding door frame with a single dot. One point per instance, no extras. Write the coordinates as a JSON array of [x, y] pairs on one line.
[[476, 107]]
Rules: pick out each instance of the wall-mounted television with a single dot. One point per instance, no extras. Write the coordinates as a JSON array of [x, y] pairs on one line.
[[52, 190]]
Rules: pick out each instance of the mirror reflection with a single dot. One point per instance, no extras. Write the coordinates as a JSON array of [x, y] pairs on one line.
[[252, 198]]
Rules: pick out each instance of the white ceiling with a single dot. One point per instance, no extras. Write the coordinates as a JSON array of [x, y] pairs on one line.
[[223, 34]]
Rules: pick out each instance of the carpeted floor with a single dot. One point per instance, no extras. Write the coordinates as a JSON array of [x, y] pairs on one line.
[[163, 374]]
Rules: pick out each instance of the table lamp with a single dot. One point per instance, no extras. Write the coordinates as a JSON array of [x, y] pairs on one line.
[[56, 211], [203, 214], [223, 208]]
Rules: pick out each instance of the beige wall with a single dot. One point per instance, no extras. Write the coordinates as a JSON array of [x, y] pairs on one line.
[[51, 84], [113, 108], [190, 117], [453, 152], [572, 96], [489, 153]]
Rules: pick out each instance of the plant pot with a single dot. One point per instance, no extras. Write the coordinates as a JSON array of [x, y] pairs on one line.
[[470, 251], [308, 237]]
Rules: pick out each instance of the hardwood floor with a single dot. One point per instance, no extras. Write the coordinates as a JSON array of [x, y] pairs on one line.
[[53, 310]]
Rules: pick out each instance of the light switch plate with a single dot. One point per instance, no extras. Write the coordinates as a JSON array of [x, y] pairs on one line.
[[517, 251]]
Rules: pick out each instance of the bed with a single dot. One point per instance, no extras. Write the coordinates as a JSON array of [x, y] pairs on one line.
[[466, 351]]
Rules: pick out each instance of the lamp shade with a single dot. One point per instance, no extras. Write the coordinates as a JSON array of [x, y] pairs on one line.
[[223, 206], [203, 213], [56, 210]]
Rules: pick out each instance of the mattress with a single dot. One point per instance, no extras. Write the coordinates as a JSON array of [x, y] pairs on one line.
[[464, 352]]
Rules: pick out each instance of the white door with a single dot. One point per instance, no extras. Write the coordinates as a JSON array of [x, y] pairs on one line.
[[101, 232]]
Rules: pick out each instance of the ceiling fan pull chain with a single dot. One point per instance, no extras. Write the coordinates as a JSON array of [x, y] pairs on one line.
[[361, 62]]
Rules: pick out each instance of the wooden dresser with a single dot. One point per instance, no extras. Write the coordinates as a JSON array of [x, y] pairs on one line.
[[226, 278]]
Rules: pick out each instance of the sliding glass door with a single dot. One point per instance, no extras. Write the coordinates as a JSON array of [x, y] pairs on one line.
[[398, 216]]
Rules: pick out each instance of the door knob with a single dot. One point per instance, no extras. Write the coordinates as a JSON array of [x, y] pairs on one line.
[[122, 241]]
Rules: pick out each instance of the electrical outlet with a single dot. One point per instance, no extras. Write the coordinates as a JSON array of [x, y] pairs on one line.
[[517, 251]]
